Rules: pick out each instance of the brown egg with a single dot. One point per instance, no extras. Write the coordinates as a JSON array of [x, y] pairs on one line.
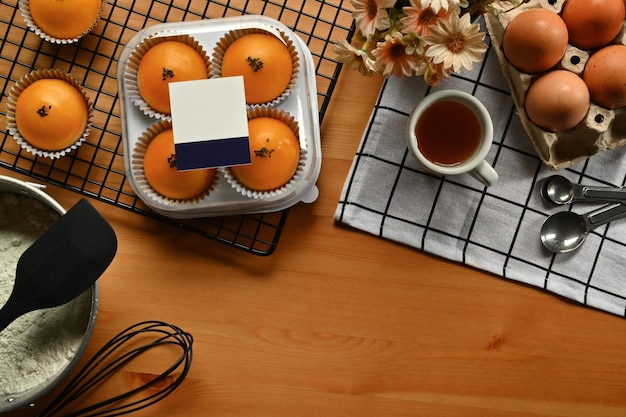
[[592, 24], [605, 76], [557, 101], [535, 40]]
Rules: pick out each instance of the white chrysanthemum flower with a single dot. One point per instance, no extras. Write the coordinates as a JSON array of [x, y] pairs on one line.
[[354, 58], [391, 57], [456, 43], [435, 73], [437, 5], [371, 15], [420, 20]]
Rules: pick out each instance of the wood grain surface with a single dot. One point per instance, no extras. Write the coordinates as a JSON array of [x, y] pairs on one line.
[[340, 323]]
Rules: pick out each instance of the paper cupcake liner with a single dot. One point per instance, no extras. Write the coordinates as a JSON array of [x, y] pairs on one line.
[[140, 177], [233, 35], [132, 66], [290, 121], [24, 7], [20, 86]]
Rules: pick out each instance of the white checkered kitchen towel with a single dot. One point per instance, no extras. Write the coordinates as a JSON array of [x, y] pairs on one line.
[[495, 229]]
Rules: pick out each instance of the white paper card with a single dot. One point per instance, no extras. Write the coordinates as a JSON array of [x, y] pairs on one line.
[[210, 123]]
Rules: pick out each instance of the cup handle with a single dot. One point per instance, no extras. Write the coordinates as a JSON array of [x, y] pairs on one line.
[[485, 174]]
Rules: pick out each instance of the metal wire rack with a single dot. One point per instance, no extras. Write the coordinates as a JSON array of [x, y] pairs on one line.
[[96, 169]]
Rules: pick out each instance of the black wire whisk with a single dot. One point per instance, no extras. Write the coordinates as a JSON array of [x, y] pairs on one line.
[[117, 353]]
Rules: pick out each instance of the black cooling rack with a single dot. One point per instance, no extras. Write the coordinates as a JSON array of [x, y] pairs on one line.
[[96, 169]]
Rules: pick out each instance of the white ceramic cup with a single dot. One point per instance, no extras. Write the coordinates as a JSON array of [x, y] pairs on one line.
[[475, 165]]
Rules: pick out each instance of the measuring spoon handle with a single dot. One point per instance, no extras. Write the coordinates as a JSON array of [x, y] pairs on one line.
[[598, 193], [605, 214]]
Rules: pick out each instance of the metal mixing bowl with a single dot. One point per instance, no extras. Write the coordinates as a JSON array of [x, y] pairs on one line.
[[29, 397]]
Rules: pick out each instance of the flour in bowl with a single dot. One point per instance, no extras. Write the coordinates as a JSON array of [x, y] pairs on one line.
[[39, 344]]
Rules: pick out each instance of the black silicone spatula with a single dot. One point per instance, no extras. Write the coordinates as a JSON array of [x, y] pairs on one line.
[[63, 263]]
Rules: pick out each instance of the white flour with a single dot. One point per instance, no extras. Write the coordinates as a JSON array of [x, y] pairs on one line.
[[39, 344]]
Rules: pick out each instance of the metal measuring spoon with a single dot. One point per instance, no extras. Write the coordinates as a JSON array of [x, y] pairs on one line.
[[565, 231], [559, 190]]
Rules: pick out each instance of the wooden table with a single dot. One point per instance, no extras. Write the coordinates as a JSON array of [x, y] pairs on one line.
[[340, 323]]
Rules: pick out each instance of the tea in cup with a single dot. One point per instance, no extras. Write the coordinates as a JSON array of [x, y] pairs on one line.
[[450, 132]]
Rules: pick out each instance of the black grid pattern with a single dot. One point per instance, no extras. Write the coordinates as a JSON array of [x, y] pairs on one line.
[[495, 229], [96, 169]]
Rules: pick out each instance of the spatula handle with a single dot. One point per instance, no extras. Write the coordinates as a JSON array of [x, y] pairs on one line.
[[8, 314]]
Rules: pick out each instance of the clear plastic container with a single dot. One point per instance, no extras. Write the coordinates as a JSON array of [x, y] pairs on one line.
[[301, 103]]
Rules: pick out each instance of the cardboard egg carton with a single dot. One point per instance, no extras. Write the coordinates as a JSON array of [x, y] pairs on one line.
[[602, 128]]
